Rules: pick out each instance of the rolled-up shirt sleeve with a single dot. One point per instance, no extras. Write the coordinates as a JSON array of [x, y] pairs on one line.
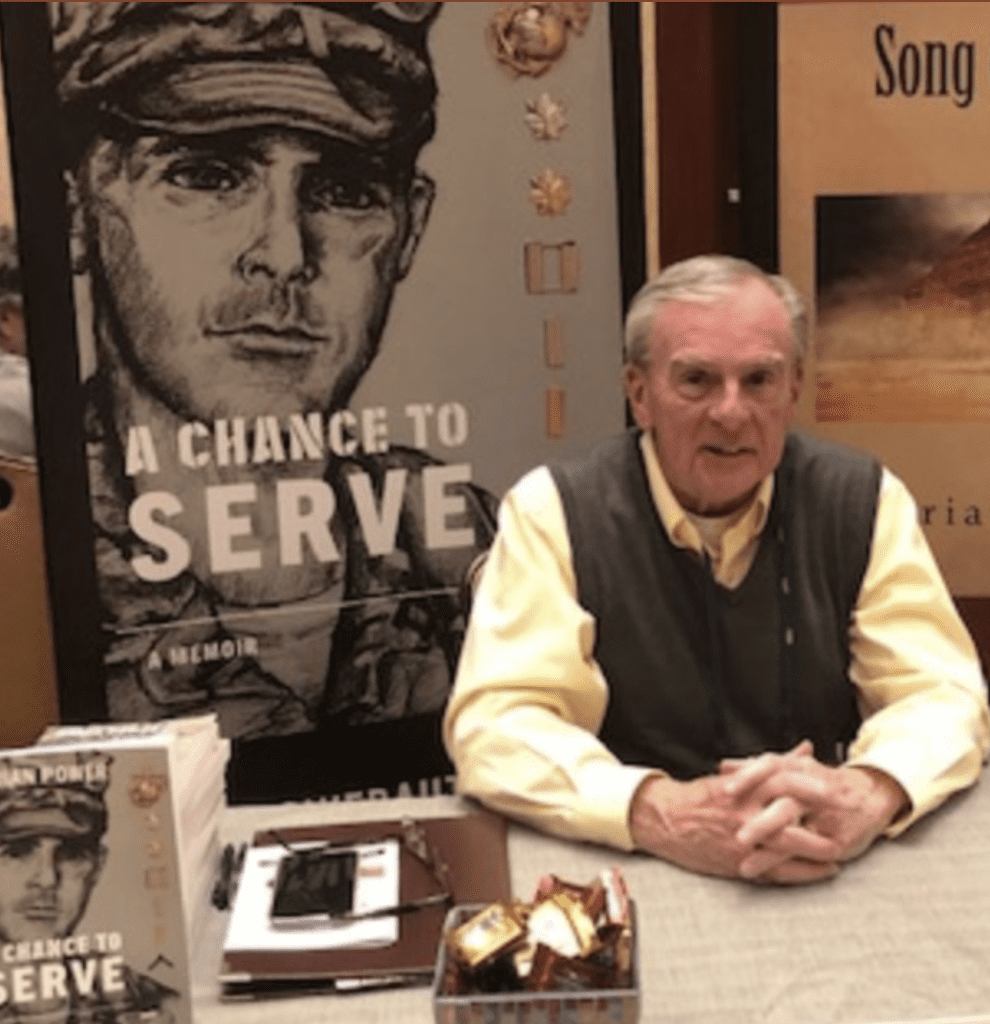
[[921, 692], [529, 698]]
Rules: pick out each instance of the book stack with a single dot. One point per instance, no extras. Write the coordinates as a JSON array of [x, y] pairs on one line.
[[109, 839], [365, 903]]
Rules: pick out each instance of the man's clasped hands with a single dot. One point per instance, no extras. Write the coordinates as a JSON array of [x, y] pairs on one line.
[[783, 818]]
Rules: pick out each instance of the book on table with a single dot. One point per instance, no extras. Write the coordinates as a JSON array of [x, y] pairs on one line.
[[344, 906], [109, 837]]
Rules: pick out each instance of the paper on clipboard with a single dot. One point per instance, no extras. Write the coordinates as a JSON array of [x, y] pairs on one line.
[[376, 887]]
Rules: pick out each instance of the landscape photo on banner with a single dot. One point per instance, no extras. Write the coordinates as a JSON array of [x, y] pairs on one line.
[[885, 227]]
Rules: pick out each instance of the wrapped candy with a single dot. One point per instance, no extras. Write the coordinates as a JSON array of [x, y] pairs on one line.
[[570, 937]]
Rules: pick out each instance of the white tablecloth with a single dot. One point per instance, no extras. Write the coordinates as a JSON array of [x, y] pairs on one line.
[[902, 935]]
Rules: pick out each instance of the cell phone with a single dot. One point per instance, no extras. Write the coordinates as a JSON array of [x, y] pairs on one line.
[[314, 883]]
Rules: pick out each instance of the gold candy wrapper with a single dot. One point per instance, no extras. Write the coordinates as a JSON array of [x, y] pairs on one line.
[[563, 924], [617, 940], [550, 885], [591, 897], [490, 934], [594, 900], [567, 939], [552, 972]]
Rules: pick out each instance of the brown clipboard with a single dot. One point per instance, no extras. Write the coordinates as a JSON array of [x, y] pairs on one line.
[[473, 846]]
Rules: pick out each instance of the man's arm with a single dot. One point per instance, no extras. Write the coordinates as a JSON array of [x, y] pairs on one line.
[[702, 824], [849, 806], [529, 698], [924, 704], [921, 691]]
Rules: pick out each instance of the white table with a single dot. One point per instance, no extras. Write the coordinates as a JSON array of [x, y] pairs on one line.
[[902, 935]]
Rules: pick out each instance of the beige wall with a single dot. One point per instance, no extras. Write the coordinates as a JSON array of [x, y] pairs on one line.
[[27, 667]]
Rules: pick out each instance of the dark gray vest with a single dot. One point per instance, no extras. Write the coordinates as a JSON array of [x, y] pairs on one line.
[[697, 672]]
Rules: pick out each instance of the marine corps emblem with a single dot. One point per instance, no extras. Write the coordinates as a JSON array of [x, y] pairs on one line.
[[528, 38], [146, 790]]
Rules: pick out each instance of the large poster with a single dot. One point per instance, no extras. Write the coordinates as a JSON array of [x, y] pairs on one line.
[[885, 226], [340, 273]]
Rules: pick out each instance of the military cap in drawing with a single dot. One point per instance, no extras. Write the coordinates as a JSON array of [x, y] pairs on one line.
[[358, 72], [53, 795]]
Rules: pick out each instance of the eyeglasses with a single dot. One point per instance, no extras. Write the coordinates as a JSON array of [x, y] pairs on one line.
[[414, 841]]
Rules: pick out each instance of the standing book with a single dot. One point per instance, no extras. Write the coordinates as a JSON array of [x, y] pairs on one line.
[[95, 925]]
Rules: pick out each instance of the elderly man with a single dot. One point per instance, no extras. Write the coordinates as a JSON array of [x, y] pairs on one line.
[[52, 852], [716, 639], [245, 197]]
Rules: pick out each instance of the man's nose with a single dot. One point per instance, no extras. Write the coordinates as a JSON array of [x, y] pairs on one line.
[[729, 408], [277, 247], [44, 867]]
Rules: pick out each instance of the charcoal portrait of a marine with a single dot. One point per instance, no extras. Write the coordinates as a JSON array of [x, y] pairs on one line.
[[244, 199]]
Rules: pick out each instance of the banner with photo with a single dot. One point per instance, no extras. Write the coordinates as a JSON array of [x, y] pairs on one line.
[[884, 141], [312, 285]]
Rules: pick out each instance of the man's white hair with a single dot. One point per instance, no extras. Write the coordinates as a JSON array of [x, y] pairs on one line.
[[705, 279]]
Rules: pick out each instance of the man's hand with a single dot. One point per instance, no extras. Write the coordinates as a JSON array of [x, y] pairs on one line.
[[697, 824], [853, 805]]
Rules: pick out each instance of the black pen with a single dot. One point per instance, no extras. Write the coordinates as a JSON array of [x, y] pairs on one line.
[[231, 862], [401, 908]]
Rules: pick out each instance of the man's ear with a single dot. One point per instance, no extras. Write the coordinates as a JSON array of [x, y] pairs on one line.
[[635, 382], [421, 193], [77, 230]]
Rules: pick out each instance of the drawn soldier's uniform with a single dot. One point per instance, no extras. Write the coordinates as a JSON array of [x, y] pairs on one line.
[[369, 655], [380, 640]]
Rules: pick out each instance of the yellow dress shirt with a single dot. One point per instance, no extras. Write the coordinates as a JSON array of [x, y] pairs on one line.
[[529, 698]]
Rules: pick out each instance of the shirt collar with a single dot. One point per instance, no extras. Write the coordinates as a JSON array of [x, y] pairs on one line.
[[681, 531]]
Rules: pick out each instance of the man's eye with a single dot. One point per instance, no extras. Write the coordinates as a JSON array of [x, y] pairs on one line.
[[349, 193], [760, 380], [204, 175], [17, 849], [75, 849], [695, 382]]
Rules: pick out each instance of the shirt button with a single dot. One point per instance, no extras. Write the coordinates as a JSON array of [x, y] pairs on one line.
[[789, 636]]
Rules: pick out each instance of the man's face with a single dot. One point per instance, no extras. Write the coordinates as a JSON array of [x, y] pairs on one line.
[[45, 882], [249, 272], [718, 395]]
